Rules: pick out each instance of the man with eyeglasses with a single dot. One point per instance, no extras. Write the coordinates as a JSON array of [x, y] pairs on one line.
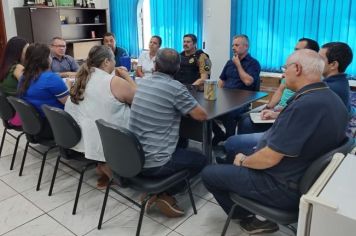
[[312, 124], [63, 64], [278, 101]]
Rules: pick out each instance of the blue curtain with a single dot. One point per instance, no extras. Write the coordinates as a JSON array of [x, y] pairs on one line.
[[123, 18], [274, 26], [172, 19]]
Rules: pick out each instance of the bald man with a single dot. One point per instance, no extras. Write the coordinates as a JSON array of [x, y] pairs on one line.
[[312, 124]]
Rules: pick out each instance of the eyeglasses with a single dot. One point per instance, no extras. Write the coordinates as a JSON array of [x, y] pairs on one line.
[[59, 46], [284, 68]]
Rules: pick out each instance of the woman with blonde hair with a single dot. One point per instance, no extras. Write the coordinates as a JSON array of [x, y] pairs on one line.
[[98, 94]]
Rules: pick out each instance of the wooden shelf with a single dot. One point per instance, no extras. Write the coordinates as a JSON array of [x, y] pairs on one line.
[[30, 22]]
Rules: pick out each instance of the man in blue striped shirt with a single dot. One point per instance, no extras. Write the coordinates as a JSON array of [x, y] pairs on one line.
[[156, 112]]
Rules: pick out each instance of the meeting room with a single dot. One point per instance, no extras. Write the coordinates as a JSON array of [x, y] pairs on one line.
[[177, 117]]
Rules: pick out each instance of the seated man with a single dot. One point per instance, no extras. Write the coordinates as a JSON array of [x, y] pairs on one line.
[[110, 41], [195, 68], [240, 72], [279, 99], [195, 65], [313, 123], [155, 117], [337, 57], [63, 64]]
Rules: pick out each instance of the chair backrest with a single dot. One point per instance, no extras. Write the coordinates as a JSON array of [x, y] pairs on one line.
[[6, 110], [122, 150], [318, 166], [31, 119], [66, 130]]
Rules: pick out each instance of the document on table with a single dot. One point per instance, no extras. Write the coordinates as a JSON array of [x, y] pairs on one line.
[[256, 118]]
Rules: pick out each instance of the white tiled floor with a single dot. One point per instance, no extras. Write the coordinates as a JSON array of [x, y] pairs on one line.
[[24, 211]]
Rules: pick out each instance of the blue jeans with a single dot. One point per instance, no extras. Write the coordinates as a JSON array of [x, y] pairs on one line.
[[244, 143], [221, 180], [229, 121], [246, 126], [182, 159]]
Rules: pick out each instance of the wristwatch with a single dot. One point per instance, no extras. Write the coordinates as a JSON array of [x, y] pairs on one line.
[[242, 160]]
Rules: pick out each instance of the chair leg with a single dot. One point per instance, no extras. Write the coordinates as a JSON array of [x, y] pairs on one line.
[[2, 140], [15, 151], [228, 220], [191, 196], [24, 158], [142, 211], [54, 175], [42, 167], [104, 204], [292, 228], [78, 190]]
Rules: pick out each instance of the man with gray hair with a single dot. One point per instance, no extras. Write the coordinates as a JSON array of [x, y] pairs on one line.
[[156, 111], [312, 123]]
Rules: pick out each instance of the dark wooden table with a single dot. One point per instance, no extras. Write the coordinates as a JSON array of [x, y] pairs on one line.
[[227, 100]]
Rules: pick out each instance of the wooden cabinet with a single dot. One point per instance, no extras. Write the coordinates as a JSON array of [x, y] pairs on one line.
[[84, 26]]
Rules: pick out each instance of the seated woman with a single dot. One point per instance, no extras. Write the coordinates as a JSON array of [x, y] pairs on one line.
[[146, 59], [38, 85], [11, 69], [97, 94]]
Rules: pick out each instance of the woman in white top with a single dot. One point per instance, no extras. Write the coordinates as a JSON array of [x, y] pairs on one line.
[[145, 63], [98, 94]]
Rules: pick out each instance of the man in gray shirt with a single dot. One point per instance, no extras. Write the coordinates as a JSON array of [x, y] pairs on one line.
[[63, 64], [156, 112]]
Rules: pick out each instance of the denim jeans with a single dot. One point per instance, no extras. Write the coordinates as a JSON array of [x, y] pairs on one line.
[[221, 180], [229, 121], [181, 159], [246, 126], [244, 143]]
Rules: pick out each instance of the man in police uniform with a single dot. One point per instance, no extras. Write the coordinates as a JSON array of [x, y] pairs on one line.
[[195, 65]]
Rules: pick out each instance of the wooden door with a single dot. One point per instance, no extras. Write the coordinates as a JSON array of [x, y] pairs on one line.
[[2, 30]]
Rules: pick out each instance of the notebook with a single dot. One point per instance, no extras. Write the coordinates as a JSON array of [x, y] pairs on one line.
[[256, 118]]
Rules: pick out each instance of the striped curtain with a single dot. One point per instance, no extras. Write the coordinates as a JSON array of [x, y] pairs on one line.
[[123, 19], [274, 26], [172, 19]]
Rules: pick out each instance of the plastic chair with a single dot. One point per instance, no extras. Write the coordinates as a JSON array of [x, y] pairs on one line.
[[32, 125], [284, 217], [67, 134], [125, 156], [6, 113]]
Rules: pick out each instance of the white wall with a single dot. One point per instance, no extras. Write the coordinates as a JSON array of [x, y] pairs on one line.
[[216, 33], [9, 14]]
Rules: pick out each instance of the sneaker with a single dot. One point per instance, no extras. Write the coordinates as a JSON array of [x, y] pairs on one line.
[[168, 206], [150, 203], [252, 225], [217, 139], [220, 160]]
